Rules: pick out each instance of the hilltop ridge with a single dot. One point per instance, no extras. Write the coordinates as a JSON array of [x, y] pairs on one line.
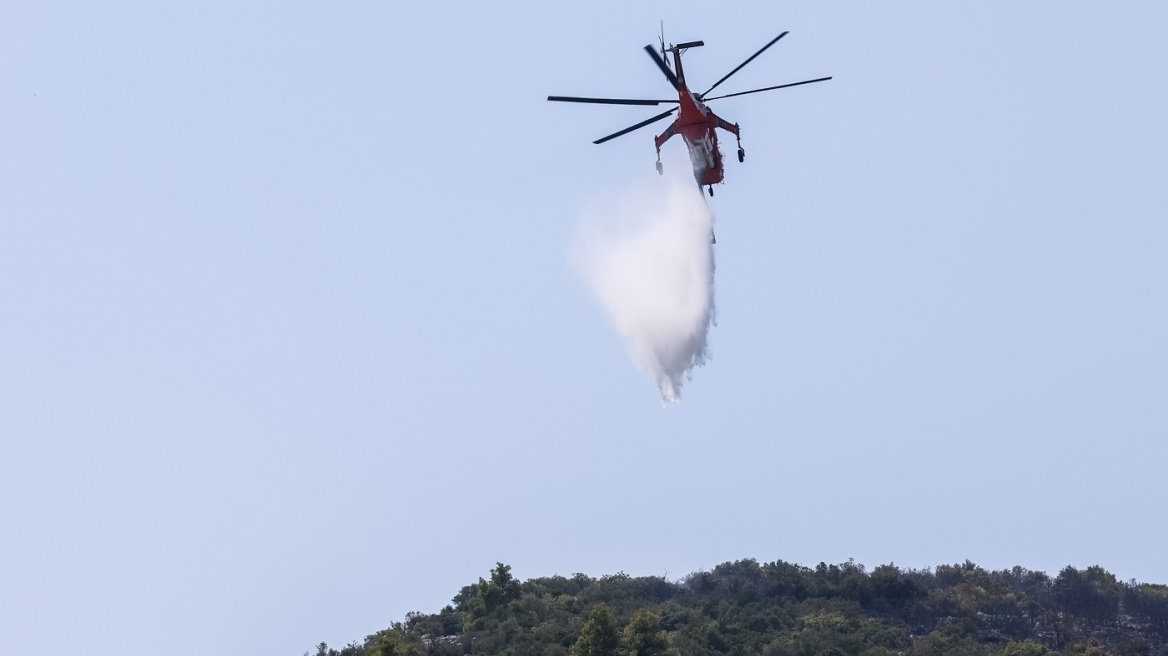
[[745, 608]]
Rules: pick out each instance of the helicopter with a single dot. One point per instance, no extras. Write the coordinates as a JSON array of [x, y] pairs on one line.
[[695, 122]]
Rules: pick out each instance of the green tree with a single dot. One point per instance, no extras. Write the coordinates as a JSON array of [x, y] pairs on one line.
[[643, 635], [390, 642], [1025, 647], [489, 596], [598, 636], [891, 589], [939, 643], [1092, 593]]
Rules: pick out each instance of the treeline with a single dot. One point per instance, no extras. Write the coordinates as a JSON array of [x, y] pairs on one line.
[[780, 609]]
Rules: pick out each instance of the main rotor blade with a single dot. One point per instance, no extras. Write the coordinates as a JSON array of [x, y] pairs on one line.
[[727, 76], [638, 126], [608, 101], [661, 64], [781, 86]]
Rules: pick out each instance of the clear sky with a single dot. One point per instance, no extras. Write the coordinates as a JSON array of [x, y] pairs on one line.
[[290, 343]]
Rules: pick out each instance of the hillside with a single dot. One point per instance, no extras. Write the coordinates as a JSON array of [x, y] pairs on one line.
[[781, 609]]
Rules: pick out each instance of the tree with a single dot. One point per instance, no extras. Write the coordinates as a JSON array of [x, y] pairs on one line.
[[1148, 601], [643, 635], [1025, 647], [891, 589], [390, 642], [489, 596], [1092, 593], [598, 636]]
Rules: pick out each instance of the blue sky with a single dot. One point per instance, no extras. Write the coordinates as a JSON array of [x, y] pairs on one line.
[[290, 344]]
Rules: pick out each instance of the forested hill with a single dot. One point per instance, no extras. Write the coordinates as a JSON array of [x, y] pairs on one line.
[[780, 609]]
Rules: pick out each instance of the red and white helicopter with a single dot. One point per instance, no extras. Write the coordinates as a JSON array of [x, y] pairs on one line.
[[695, 121]]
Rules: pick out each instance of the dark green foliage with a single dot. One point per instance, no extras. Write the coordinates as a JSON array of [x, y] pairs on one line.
[[482, 600], [744, 608], [1025, 647], [392, 642], [1148, 603], [1092, 593], [598, 636], [643, 635]]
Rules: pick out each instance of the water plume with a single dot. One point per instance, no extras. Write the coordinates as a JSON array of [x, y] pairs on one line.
[[648, 259]]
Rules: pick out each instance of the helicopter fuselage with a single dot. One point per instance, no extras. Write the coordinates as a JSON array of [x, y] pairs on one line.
[[697, 123]]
